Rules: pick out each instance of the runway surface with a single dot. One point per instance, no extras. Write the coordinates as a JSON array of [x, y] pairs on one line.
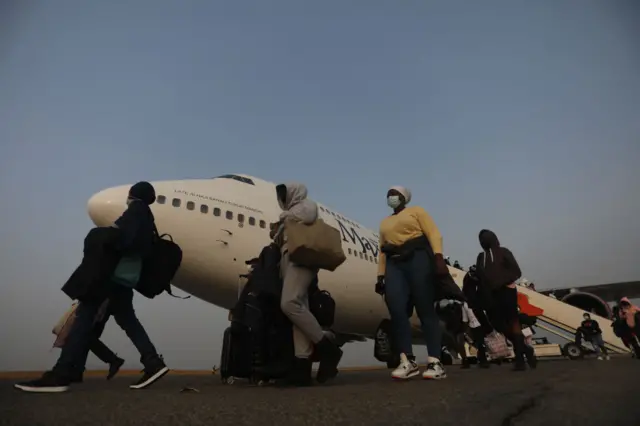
[[558, 393]]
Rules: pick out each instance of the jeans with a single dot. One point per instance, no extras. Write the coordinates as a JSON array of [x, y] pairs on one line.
[[99, 349], [121, 308], [598, 344], [81, 334], [413, 280], [76, 349]]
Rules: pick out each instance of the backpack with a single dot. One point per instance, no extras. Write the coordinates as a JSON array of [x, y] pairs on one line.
[[159, 268], [322, 307]]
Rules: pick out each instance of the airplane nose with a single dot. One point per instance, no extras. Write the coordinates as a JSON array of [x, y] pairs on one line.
[[107, 205]]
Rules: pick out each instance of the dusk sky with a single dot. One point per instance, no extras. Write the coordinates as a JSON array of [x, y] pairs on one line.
[[523, 117]]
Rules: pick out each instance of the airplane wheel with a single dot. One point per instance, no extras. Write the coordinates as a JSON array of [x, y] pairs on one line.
[[228, 380], [573, 351]]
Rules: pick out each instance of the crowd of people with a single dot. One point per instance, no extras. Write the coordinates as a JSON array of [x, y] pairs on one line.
[[410, 267]]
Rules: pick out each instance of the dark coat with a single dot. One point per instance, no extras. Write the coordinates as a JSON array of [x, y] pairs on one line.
[[90, 282]]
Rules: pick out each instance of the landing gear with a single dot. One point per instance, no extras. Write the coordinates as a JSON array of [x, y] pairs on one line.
[[572, 351]]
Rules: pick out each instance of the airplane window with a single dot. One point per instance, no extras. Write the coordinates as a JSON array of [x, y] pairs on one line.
[[375, 260], [161, 199], [204, 208], [252, 221], [191, 205], [355, 253], [361, 256], [263, 224], [322, 208], [349, 250], [236, 177], [216, 212], [241, 218], [176, 202], [228, 215]]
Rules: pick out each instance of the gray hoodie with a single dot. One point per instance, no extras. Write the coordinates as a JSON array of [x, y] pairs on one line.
[[295, 206]]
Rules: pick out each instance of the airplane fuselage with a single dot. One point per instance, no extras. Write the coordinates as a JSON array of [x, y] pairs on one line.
[[222, 222]]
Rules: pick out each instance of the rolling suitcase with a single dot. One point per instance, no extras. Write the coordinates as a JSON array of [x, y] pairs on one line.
[[236, 358]]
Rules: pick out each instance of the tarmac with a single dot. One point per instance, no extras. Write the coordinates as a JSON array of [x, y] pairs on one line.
[[557, 393]]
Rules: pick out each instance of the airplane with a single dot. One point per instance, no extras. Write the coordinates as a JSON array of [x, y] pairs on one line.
[[222, 222]]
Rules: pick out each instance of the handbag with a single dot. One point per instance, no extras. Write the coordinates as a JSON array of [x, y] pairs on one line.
[[497, 345], [315, 246], [64, 325]]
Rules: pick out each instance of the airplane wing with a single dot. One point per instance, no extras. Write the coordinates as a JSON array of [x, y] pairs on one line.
[[608, 292]]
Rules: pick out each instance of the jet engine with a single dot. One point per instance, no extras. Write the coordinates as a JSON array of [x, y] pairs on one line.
[[588, 302]]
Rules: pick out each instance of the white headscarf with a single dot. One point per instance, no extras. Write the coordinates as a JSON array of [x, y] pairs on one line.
[[404, 191]]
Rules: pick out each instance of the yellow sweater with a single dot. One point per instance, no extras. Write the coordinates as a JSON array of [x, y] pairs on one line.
[[410, 223]]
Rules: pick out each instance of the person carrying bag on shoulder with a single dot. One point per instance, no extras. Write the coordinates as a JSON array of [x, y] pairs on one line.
[[308, 335]]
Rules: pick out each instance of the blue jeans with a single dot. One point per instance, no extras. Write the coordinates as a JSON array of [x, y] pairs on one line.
[[413, 281], [79, 338], [76, 349], [121, 308]]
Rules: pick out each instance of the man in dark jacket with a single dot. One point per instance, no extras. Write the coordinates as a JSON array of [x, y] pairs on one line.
[[498, 271], [590, 330], [134, 232]]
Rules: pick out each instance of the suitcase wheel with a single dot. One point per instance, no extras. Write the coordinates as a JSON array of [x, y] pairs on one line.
[[228, 380]]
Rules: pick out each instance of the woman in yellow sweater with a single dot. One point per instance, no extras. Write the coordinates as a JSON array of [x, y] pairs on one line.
[[410, 262]]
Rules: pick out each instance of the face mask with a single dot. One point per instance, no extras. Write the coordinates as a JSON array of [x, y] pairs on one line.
[[393, 201]]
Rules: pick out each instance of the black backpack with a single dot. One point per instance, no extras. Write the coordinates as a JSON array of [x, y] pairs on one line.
[[159, 267]]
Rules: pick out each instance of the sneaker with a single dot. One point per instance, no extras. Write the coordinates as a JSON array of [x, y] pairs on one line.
[[435, 370], [599, 358], [608, 358], [114, 367], [48, 383], [151, 373], [406, 370]]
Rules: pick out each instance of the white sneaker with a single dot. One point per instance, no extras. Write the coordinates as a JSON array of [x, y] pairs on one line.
[[406, 369], [608, 358], [599, 358], [435, 370]]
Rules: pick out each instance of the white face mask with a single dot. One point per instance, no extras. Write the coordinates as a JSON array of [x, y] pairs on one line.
[[393, 201]]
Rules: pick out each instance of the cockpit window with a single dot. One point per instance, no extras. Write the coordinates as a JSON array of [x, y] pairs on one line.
[[236, 177]]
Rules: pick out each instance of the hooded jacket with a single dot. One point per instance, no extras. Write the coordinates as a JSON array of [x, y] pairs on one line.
[[295, 204], [292, 199], [495, 265]]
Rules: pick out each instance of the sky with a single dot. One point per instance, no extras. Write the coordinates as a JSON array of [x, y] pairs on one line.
[[523, 117]]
